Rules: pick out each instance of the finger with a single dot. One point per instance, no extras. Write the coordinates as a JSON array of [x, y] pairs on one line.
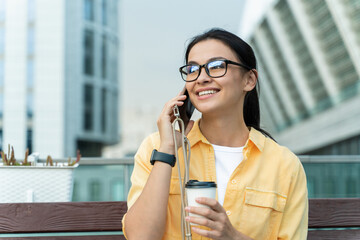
[[202, 211], [201, 221], [177, 99], [206, 233], [169, 106], [212, 203]]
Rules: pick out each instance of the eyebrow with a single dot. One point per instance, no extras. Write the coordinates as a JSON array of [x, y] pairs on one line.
[[209, 60]]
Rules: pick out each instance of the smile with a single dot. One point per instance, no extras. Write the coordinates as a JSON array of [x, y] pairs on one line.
[[207, 92]]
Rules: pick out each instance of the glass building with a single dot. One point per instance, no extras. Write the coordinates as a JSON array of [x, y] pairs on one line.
[[308, 55], [59, 81]]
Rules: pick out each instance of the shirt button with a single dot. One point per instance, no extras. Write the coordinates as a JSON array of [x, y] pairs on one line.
[[228, 213], [233, 181]]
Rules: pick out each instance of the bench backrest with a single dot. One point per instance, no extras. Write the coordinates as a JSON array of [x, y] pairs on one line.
[[71, 217], [327, 214], [105, 218]]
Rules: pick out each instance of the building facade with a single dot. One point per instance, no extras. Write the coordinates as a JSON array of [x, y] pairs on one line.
[[59, 85], [309, 62]]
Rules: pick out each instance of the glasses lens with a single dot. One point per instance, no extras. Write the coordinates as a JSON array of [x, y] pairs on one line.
[[216, 68], [190, 72]]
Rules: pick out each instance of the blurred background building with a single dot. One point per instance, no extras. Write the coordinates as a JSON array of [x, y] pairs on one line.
[[308, 53], [59, 85]]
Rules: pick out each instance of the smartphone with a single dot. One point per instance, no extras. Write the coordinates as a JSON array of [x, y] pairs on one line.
[[186, 110]]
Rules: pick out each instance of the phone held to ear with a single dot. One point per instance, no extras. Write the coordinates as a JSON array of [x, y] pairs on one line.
[[186, 110]]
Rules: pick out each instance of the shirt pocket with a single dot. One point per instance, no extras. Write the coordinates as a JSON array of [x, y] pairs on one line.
[[263, 211], [265, 199]]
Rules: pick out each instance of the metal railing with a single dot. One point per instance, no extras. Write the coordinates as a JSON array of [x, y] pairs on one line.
[[107, 179]]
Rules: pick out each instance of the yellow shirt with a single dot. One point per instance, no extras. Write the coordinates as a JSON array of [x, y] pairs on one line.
[[266, 196]]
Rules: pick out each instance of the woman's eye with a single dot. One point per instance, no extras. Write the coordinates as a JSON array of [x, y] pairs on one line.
[[216, 65], [192, 69]]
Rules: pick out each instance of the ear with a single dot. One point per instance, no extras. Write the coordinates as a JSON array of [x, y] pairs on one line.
[[251, 80]]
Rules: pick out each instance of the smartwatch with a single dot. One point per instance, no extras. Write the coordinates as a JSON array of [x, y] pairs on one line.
[[162, 157]]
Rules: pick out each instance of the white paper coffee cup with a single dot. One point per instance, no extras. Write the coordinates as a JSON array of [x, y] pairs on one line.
[[195, 189]]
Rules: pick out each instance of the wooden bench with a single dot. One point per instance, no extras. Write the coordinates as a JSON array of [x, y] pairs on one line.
[[102, 220], [71, 220], [326, 214]]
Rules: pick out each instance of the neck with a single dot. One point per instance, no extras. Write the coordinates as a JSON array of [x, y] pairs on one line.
[[226, 130]]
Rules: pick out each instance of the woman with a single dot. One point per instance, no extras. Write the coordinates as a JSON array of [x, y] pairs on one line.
[[262, 190]]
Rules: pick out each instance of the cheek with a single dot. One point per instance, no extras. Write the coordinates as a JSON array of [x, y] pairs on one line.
[[189, 86]]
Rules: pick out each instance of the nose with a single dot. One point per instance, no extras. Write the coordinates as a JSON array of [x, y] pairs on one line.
[[203, 77]]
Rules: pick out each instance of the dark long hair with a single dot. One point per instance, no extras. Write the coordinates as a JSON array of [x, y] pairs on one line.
[[246, 56]]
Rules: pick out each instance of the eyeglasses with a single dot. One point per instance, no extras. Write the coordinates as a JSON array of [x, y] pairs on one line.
[[214, 69]]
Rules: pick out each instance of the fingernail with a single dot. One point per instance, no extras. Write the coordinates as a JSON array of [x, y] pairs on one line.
[[187, 209], [187, 219]]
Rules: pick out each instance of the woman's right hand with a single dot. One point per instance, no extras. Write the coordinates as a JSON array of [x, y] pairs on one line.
[[164, 124]]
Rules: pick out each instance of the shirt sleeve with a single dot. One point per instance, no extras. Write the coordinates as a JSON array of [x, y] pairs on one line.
[[294, 224], [140, 174]]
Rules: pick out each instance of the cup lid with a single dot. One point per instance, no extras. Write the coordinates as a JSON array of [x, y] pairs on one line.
[[197, 184]]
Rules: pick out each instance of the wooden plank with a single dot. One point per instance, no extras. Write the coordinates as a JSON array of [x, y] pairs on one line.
[[61, 217], [333, 234], [334, 213]]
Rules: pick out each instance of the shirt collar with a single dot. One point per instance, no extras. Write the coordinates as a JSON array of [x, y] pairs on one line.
[[255, 137], [195, 135]]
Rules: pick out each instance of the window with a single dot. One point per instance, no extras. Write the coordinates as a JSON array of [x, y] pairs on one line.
[[30, 104], [89, 52], [29, 140], [103, 110], [104, 12], [114, 14], [1, 139], [88, 107], [114, 112], [114, 64], [89, 10], [104, 57]]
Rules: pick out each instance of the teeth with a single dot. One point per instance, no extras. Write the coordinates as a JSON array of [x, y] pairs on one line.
[[207, 92]]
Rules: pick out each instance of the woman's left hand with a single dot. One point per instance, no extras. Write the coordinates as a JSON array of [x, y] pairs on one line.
[[215, 218]]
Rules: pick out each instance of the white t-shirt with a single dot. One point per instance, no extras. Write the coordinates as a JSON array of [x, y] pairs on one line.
[[226, 160]]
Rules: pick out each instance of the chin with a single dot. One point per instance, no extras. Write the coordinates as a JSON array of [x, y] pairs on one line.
[[206, 109]]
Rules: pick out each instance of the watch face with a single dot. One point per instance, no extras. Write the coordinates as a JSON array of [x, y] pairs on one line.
[[162, 157]]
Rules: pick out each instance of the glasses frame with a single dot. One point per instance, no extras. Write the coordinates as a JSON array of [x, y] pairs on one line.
[[205, 66]]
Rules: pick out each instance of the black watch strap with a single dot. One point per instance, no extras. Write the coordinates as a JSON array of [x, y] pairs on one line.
[[162, 157]]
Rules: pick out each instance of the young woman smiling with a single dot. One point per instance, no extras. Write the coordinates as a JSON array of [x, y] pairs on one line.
[[262, 191]]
